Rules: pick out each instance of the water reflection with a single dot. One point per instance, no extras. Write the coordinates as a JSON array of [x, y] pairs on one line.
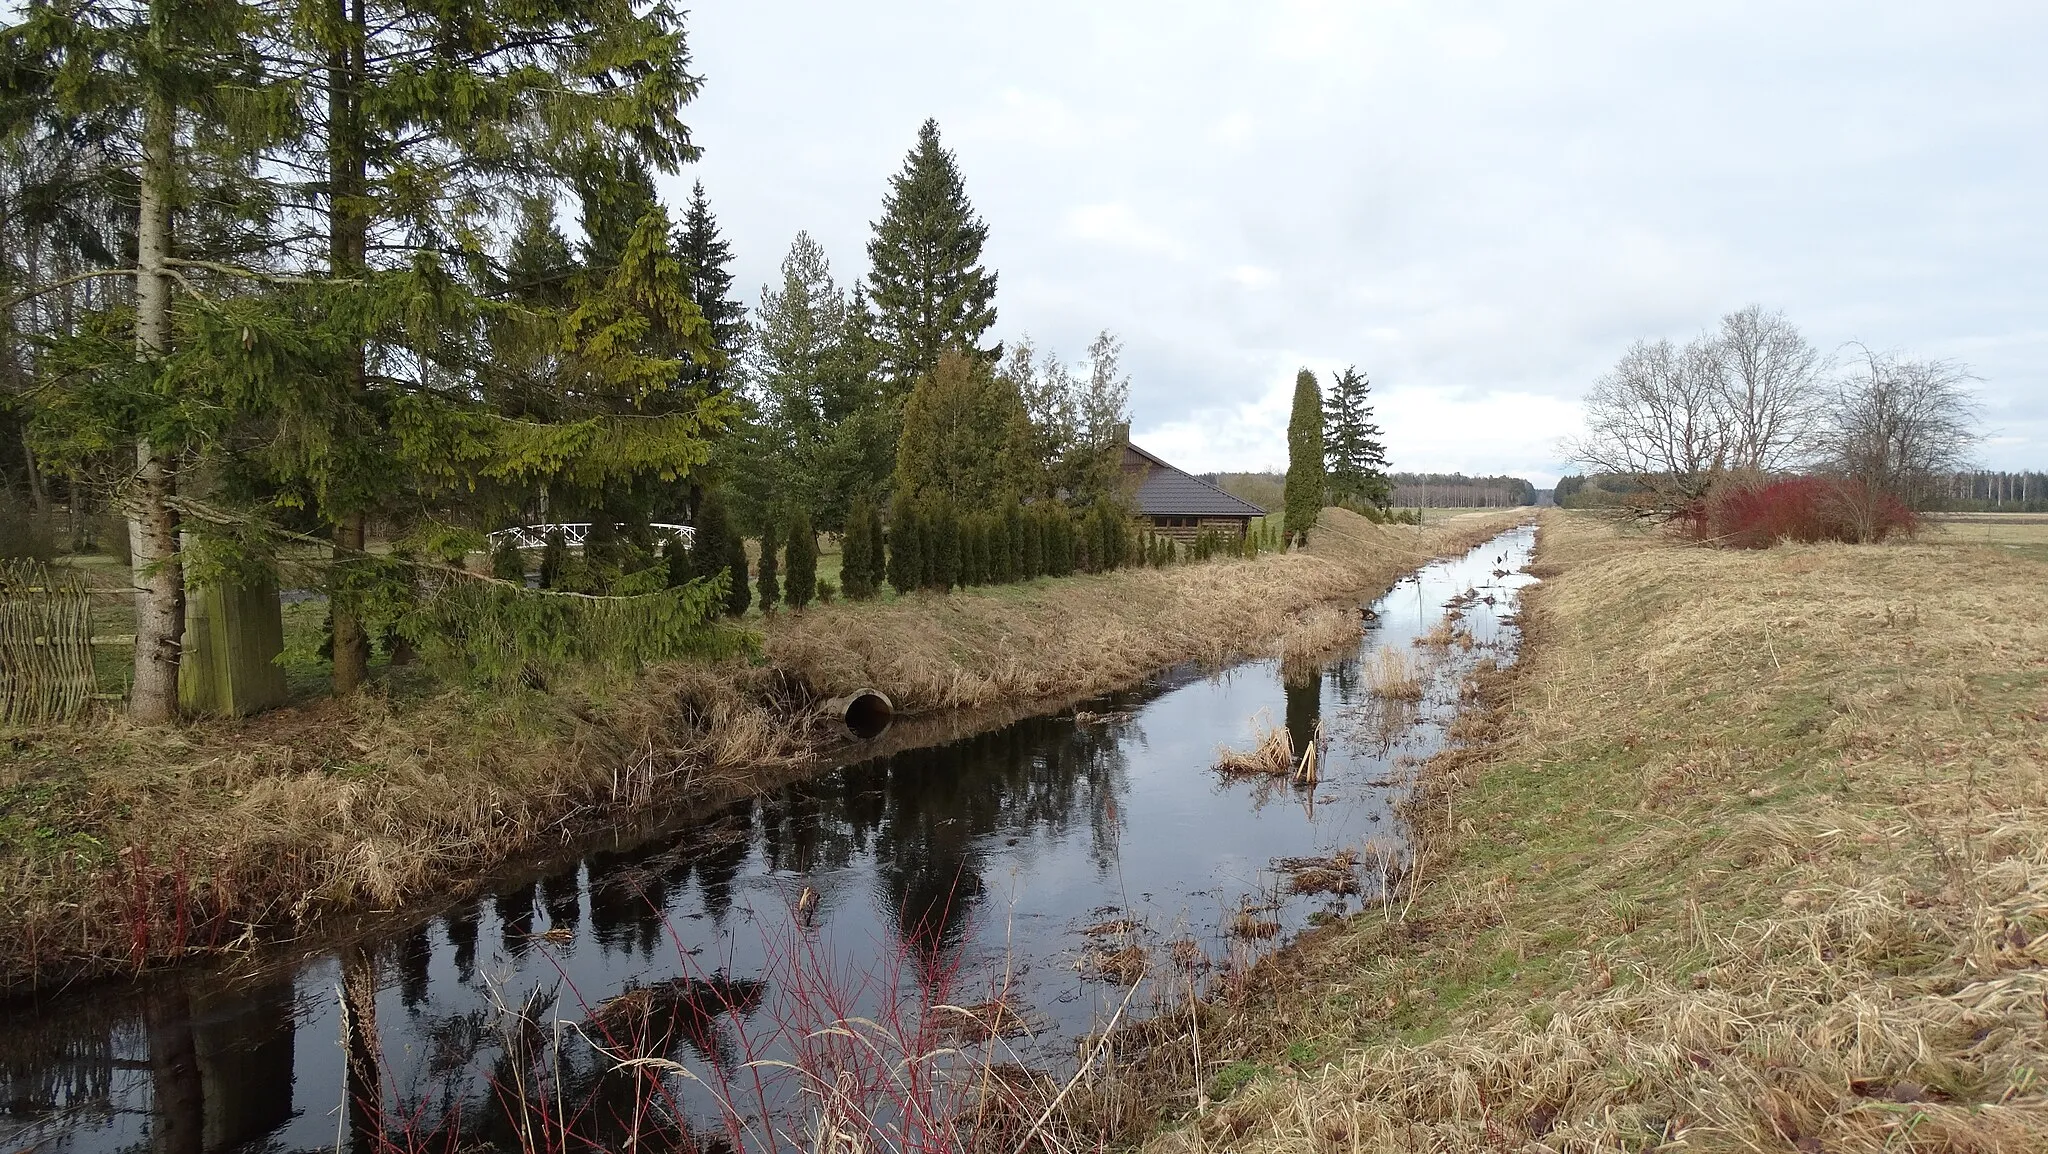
[[939, 869]]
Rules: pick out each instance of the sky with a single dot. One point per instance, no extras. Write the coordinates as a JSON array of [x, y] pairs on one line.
[[1479, 205]]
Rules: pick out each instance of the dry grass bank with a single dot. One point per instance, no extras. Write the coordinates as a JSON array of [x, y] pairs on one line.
[[1752, 854], [122, 846]]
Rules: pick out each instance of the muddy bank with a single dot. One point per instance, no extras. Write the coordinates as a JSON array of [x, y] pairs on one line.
[[125, 848]]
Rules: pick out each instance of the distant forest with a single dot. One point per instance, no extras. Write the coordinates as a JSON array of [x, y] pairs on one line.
[[1411, 490], [1979, 491]]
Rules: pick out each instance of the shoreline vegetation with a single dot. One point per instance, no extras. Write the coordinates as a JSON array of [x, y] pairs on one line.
[[1747, 853], [127, 847]]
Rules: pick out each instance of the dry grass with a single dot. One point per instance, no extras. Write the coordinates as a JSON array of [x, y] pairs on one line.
[[1393, 675], [121, 847], [1085, 635], [1271, 756], [1752, 855]]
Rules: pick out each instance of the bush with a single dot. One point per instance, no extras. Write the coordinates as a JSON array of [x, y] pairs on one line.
[[1751, 515]]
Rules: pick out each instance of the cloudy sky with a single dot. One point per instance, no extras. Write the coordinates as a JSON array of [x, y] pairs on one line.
[[1479, 204]]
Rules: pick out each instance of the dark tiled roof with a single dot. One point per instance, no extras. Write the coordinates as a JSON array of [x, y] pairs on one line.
[[1168, 492]]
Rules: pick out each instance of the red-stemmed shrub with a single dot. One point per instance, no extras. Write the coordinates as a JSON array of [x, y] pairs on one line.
[[1803, 509]]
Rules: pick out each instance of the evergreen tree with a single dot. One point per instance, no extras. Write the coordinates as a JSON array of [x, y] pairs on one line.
[[855, 557], [906, 547], [1352, 449], [803, 561], [507, 562], [1305, 482], [706, 258], [738, 594], [965, 436], [927, 281], [675, 558], [713, 534], [554, 559], [875, 543], [771, 593], [944, 567]]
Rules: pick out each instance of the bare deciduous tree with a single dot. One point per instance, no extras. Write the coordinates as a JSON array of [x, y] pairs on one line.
[[1771, 391], [1656, 418], [1898, 425]]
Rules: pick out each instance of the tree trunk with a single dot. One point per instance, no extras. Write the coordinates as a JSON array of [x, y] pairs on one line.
[[152, 524], [348, 256]]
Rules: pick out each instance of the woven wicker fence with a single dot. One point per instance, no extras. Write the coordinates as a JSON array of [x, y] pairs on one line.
[[46, 667]]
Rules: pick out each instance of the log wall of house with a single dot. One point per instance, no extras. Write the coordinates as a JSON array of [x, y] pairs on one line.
[[1185, 534]]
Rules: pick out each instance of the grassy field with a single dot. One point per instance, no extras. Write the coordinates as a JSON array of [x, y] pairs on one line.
[[1751, 854], [123, 846], [2022, 533]]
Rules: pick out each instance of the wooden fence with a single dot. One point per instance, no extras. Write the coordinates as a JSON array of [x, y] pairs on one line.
[[46, 665]]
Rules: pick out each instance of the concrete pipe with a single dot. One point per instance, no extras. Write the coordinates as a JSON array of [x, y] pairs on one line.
[[866, 713]]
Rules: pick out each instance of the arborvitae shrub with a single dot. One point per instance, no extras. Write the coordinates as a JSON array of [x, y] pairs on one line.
[[739, 595], [875, 554], [554, 559], [906, 547], [855, 558], [945, 550], [970, 550], [802, 582], [675, 558], [771, 590], [507, 562]]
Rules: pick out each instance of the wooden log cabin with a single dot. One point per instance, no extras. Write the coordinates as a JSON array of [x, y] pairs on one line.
[[1179, 505]]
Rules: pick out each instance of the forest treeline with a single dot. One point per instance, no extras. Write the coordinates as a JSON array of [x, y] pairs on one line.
[[1404, 490]]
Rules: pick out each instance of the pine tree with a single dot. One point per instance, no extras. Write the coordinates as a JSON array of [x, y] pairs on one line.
[[707, 258], [803, 561], [854, 556], [771, 593], [1352, 448], [929, 287], [1305, 481], [906, 547]]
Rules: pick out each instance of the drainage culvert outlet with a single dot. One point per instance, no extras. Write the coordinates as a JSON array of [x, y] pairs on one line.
[[866, 713]]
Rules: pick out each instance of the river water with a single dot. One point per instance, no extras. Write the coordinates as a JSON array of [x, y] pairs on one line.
[[1058, 866]]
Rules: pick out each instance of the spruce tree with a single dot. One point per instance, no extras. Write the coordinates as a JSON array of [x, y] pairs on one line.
[[771, 592], [854, 557], [803, 561], [707, 258], [927, 282], [1352, 448], [906, 547], [1305, 479]]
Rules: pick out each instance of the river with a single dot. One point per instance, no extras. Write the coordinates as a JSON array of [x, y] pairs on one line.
[[1053, 873]]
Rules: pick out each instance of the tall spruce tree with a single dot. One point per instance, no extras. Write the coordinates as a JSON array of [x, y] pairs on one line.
[[1355, 455], [926, 278], [1305, 477], [707, 260]]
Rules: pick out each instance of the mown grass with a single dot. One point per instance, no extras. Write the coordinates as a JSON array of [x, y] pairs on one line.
[[1750, 854], [123, 846]]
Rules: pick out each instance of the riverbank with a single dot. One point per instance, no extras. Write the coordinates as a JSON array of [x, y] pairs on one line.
[[123, 847], [1747, 854]]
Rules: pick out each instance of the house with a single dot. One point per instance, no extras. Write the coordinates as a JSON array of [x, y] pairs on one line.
[[1178, 505]]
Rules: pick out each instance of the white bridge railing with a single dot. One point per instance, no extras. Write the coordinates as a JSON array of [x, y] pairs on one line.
[[574, 533]]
